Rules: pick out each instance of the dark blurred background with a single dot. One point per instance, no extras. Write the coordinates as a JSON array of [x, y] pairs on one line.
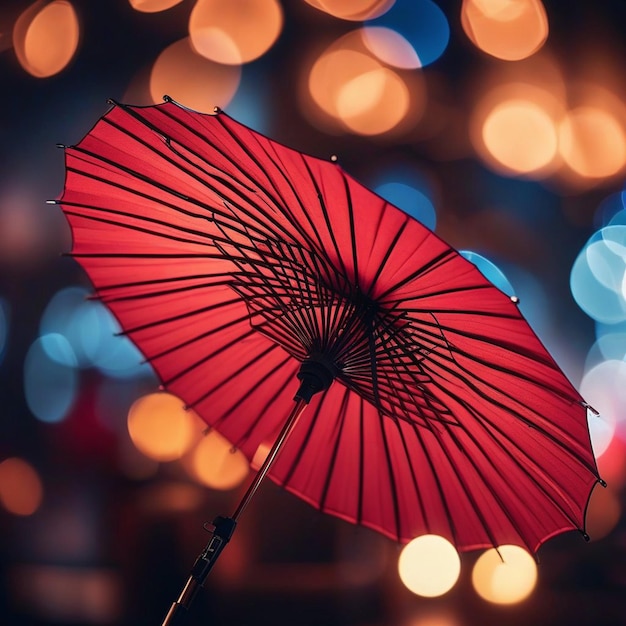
[[501, 124]]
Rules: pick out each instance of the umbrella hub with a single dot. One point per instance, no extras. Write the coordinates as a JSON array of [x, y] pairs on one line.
[[316, 374]]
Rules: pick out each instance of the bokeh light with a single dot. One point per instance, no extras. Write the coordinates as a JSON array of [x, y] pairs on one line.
[[433, 617], [603, 513], [234, 32], [506, 575], [161, 427], [521, 136], [411, 200], [390, 47], [348, 88], [592, 142], [50, 384], [191, 79], [514, 129], [597, 276], [217, 464], [46, 36], [90, 330], [506, 29], [21, 489], [612, 464], [355, 10], [429, 566], [153, 6], [490, 271], [610, 211], [25, 235], [420, 22], [604, 387]]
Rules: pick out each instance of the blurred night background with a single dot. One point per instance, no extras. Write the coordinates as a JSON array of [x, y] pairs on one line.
[[501, 124]]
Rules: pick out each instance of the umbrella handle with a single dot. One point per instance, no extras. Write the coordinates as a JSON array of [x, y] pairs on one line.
[[221, 534], [314, 377]]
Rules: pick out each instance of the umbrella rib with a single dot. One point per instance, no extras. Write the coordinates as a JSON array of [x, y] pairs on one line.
[[412, 468], [298, 456], [233, 375], [350, 210], [533, 478], [151, 220], [322, 205], [361, 458], [171, 190], [207, 357], [164, 292], [508, 409], [390, 474], [513, 348], [441, 292], [439, 487], [277, 197], [259, 414], [442, 257], [283, 206], [195, 338], [261, 234], [176, 318], [464, 484], [140, 229], [333, 456], [387, 256]]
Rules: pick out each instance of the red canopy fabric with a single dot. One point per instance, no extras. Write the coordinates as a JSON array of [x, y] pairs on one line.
[[229, 259]]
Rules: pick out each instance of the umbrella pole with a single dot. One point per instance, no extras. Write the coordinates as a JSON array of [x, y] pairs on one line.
[[314, 377]]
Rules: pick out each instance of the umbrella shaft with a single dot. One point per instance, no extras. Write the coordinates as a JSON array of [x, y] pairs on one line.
[[296, 411]]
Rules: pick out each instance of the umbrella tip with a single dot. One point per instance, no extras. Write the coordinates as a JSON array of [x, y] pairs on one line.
[[514, 299], [334, 158], [217, 110]]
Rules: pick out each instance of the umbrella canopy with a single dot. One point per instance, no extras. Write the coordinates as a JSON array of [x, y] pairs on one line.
[[230, 260]]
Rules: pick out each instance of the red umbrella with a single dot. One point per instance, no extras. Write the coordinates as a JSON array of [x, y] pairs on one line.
[[238, 266]]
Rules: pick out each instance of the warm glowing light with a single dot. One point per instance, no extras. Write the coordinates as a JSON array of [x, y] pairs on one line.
[[349, 88], [332, 71], [153, 6], [387, 102], [513, 128], [236, 31], [603, 513], [217, 464], [46, 37], [160, 427], [434, 617], [21, 491], [506, 29], [260, 455], [191, 79], [592, 142], [390, 47], [355, 10], [521, 136], [507, 575], [429, 565]]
